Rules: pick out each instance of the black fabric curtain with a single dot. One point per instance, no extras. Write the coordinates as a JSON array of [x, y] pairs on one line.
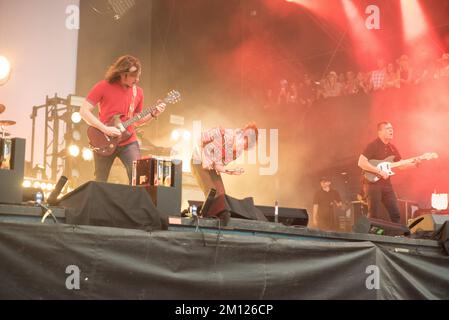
[[113, 205], [118, 263]]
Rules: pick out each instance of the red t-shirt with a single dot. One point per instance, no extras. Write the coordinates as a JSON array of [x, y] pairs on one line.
[[112, 99]]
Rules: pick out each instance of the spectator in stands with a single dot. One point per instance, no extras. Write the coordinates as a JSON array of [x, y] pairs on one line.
[[385, 76], [269, 99], [332, 88], [444, 66], [320, 93], [307, 91], [292, 96], [391, 77], [361, 84], [351, 83], [424, 68], [405, 70], [342, 80], [377, 78], [283, 93]]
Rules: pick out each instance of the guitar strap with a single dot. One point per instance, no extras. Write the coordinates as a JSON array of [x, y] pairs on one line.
[[132, 105]]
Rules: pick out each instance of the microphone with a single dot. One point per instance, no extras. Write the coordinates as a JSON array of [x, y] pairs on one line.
[[53, 197], [414, 223]]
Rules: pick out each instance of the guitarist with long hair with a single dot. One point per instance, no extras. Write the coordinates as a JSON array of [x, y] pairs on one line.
[[380, 191], [117, 94]]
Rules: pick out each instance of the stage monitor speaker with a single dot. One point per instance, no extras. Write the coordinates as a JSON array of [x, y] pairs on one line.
[[237, 208], [380, 227], [286, 216], [11, 176], [112, 205], [428, 223]]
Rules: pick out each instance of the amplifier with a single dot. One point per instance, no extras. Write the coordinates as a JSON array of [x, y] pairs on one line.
[[286, 216], [162, 179], [428, 221], [11, 173]]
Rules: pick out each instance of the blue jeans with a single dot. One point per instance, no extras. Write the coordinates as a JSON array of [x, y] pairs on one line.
[[127, 155]]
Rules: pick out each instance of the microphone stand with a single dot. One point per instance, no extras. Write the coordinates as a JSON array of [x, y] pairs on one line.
[[46, 211]]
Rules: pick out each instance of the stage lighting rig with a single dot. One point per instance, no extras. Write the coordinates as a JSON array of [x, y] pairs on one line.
[[5, 70], [121, 7]]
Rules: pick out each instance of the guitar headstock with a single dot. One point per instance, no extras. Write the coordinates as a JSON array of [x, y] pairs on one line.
[[173, 97], [429, 156]]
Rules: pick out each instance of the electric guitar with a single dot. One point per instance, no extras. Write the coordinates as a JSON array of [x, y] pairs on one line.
[[388, 164], [105, 145]]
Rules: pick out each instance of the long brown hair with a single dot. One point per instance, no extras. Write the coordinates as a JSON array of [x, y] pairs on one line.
[[123, 64]]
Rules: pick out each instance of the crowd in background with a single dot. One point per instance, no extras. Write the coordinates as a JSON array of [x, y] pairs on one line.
[[386, 75]]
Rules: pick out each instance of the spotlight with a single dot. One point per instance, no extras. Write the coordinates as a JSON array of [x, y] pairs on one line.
[[76, 117], [75, 173], [26, 184], [36, 185], [120, 7], [74, 150], [5, 70], [186, 135], [175, 135], [76, 135], [87, 154]]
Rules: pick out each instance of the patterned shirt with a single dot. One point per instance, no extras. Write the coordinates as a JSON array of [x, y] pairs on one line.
[[378, 79], [218, 146]]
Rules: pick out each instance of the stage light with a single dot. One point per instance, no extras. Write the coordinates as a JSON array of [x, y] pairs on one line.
[[43, 185], [120, 7], [186, 135], [75, 173], [74, 150], [439, 201], [367, 45], [36, 185], [76, 117], [26, 184], [417, 30], [5, 70], [413, 20], [76, 135], [175, 135], [87, 154]]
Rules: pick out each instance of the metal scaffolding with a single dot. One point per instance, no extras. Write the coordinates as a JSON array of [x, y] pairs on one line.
[[57, 134]]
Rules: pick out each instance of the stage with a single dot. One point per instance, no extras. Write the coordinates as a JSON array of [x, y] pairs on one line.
[[201, 259]]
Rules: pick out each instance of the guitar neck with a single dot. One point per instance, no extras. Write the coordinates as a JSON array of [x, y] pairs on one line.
[[403, 162], [139, 116]]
